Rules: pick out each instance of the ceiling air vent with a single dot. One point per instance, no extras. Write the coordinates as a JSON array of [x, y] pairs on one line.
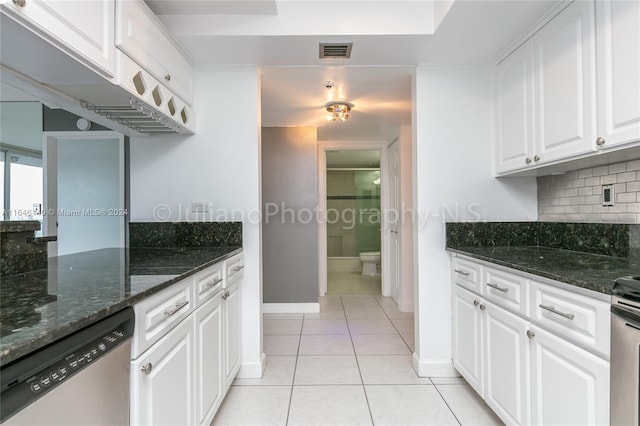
[[335, 50]]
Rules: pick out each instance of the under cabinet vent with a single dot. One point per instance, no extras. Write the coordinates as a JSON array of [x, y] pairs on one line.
[[335, 50]]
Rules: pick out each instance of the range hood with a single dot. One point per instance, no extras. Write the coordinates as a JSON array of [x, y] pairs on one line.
[[133, 102]]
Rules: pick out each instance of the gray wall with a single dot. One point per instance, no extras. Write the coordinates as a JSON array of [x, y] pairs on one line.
[[290, 246], [577, 196]]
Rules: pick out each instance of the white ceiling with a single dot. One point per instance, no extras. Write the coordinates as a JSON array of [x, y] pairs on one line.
[[389, 39]]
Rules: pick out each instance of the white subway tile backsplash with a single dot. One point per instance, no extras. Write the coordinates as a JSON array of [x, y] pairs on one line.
[[577, 196]]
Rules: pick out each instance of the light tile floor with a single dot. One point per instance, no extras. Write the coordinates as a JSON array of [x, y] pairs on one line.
[[352, 283], [350, 364]]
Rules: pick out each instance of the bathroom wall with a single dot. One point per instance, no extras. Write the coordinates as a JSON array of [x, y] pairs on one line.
[[577, 196], [353, 203]]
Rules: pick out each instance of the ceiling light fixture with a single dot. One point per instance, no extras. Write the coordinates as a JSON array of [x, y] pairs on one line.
[[338, 110]]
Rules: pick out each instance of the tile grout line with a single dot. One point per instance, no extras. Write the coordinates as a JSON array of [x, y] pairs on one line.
[[295, 370], [355, 355], [446, 403], [394, 326]]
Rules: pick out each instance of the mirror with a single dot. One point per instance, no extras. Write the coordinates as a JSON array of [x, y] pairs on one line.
[[71, 181]]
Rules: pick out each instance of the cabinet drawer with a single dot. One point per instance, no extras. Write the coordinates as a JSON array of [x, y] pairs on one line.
[[467, 274], [158, 314], [144, 39], [208, 283], [506, 289], [578, 318], [234, 268]]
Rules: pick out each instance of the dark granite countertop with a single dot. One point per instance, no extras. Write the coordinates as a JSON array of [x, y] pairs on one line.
[[76, 290], [591, 271]]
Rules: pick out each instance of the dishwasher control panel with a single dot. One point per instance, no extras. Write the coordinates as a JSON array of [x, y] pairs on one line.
[[29, 378]]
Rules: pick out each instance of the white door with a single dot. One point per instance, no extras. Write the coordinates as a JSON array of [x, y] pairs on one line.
[[514, 100], [467, 337], [209, 358], [569, 385], [565, 83], [85, 190], [163, 394], [394, 223], [231, 309], [507, 365], [618, 71]]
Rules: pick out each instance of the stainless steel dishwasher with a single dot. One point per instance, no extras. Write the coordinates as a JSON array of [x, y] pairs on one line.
[[625, 352], [82, 379]]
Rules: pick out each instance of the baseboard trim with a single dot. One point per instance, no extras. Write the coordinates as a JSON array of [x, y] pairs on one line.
[[408, 307], [252, 370], [290, 308], [434, 367]]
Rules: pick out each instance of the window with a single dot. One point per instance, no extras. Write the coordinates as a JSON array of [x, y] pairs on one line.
[[22, 185]]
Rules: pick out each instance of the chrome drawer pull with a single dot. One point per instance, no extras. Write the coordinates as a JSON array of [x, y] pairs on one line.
[[214, 283], [497, 287], [146, 369], [179, 306], [461, 272], [553, 310], [237, 268]]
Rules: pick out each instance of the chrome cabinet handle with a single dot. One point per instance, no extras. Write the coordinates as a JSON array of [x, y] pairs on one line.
[[214, 283], [531, 334], [146, 369], [167, 77], [238, 268], [555, 311], [476, 303], [600, 141], [179, 306], [527, 160], [20, 3], [497, 287], [225, 295], [461, 272], [482, 307], [536, 158]]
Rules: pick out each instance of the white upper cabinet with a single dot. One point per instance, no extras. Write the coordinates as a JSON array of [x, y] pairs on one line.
[[565, 83], [514, 132], [144, 39], [82, 29], [618, 36]]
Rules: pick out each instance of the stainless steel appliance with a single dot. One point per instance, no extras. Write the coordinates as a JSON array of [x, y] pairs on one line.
[[82, 379], [625, 352]]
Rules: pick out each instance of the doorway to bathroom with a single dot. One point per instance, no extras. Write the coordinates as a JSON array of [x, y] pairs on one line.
[[351, 198]]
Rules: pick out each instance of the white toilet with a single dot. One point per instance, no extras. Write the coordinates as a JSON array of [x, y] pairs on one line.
[[370, 262]]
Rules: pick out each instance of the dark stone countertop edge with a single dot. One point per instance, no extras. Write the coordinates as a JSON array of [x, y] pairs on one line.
[[545, 274], [8, 356], [19, 225]]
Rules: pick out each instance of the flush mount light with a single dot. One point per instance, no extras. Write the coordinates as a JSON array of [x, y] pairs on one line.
[[338, 110]]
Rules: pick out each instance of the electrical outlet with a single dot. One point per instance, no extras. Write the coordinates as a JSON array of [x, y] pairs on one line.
[[607, 195], [199, 207]]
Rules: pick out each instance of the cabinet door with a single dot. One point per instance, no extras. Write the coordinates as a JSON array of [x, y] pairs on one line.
[[82, 29], [163, 394], [565, 84], [144, 39], [570, 386], [513, 115], [232, 332], [209, 379], [507, 365], [618, 71], [467, 337]]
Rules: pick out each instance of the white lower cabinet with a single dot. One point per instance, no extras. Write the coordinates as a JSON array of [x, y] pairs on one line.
[[231, 312], [528, 374], [163, 380], [209, 359], [467, 337], [569, 385], [507, 359]]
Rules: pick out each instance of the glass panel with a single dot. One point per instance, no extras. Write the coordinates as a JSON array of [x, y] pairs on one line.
[[25, 188], [2, 182]]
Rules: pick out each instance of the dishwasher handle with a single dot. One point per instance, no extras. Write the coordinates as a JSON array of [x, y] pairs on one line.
[[629, 315]]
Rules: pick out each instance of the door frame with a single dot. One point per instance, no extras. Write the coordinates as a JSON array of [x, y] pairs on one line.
[[50, 185], [323, 147]]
